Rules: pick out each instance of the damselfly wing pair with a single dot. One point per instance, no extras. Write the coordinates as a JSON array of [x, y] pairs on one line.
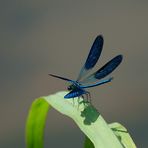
[[77, 87]]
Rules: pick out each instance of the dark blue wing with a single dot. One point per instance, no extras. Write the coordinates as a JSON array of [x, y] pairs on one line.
[[104, 71], [96, 84], [61, 78], [93, 56]]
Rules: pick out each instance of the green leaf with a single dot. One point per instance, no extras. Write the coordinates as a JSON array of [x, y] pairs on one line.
[[123, 135], [98, 133], [88, 143], [36, 123]]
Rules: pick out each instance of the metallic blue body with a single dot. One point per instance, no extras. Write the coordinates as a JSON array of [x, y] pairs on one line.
[[77, 88], [75, 93]]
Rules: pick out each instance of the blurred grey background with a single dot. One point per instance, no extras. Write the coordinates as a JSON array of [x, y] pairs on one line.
[[50, 36]]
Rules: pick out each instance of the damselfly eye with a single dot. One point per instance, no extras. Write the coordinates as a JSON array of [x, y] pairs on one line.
[[69, 88]]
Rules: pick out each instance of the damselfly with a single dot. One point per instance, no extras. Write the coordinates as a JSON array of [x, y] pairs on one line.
[[77, 88]]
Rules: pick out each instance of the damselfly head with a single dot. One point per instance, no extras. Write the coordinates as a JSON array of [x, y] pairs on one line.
[[72, 87]]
